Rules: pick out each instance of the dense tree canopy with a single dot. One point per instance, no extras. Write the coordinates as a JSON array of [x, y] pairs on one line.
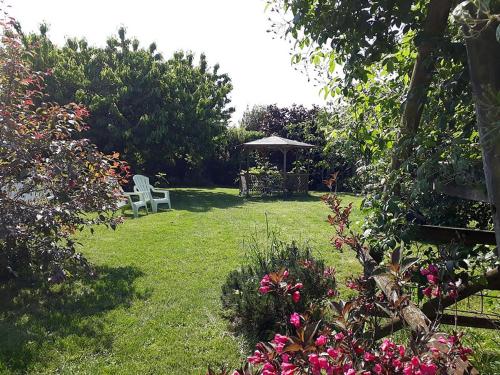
[[161, 114]]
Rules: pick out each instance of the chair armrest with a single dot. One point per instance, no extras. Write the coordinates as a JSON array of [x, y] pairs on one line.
[[139, 194], [165, 193]]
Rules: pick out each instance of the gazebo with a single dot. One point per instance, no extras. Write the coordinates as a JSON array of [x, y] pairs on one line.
[[284, 182]]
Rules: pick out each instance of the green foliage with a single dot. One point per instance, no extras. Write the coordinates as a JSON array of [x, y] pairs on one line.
[[161, 114], [298, 123], [258, 316], [224, 166], [350, 34]]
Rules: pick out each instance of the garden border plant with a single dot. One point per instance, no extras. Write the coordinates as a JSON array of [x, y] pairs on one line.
[[344, 340], [52, 182], [248, 303]]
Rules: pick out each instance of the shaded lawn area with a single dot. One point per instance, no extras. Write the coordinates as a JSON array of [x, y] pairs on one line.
[[156, 306]]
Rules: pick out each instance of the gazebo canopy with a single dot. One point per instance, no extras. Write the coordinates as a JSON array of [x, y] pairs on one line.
[[275, 143]]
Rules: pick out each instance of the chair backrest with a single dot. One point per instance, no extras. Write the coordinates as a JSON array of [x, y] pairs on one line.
[[142, 184], [34, 196]]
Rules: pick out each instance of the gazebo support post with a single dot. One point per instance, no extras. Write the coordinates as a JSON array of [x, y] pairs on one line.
[[284, 150]]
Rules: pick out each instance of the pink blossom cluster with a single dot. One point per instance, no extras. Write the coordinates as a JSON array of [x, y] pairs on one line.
[[333, 355], [432, 275], [281, 286], [436, 286]]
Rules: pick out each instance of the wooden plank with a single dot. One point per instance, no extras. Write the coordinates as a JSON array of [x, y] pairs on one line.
[[433, 307], [440, 235], [473, 193], [470, 321]]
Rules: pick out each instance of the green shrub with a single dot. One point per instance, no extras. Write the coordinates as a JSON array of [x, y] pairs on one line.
[[259, 316]]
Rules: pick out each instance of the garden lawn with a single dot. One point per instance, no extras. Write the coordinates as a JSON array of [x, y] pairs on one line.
[[155, 307]]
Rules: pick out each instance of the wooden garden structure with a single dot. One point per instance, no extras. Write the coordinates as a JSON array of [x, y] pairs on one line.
[[483, 52], [252, 184]]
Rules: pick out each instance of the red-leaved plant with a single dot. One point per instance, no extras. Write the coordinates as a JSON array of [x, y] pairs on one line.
[[52, 182], [344, 341]]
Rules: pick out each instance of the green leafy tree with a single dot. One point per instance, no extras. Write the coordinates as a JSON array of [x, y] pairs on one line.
[[161, 114]]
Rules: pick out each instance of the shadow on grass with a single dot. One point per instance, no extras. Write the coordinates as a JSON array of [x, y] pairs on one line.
[[201, 200], [33, 321]]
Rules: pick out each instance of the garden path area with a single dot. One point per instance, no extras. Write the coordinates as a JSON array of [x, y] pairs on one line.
[[156, 306]]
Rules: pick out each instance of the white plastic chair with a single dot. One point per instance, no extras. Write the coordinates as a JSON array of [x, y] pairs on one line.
[[142, 185], [135, 205]]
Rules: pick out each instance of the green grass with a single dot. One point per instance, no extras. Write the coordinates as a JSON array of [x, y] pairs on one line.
[[156, 305], [155, 308]]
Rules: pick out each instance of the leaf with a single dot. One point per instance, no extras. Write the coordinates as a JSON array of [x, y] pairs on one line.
[[331, 66], [379, 271], [407, 263], [396, 256], [295, 347], [310, 333], [337, 306], [498, 33]]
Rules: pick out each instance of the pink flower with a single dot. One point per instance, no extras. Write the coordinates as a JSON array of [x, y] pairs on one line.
[[334, 353], [296, 296], [323, 362], [288, 368], [265, 280], [433, 279], [338, 243], [402, 350], [295, 320], [452, 291], [415, 362], [396, 363], [433, 269], [331, 293], [256, 358], [328, 272], [313, 359], [321, 340], [428, 369], [350, 372], [280, 339], [299, 286], [268, 369], [285, 274], [436, 291], [407, 370], [377, 369], [264, 289], [339, 336], [369, 357], [387, 345], [428, 291]]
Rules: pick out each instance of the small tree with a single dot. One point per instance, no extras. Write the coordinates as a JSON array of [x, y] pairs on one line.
[[51, 184]]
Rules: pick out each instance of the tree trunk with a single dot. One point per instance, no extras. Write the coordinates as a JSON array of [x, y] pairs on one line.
[[483, 51], [438, 12]]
